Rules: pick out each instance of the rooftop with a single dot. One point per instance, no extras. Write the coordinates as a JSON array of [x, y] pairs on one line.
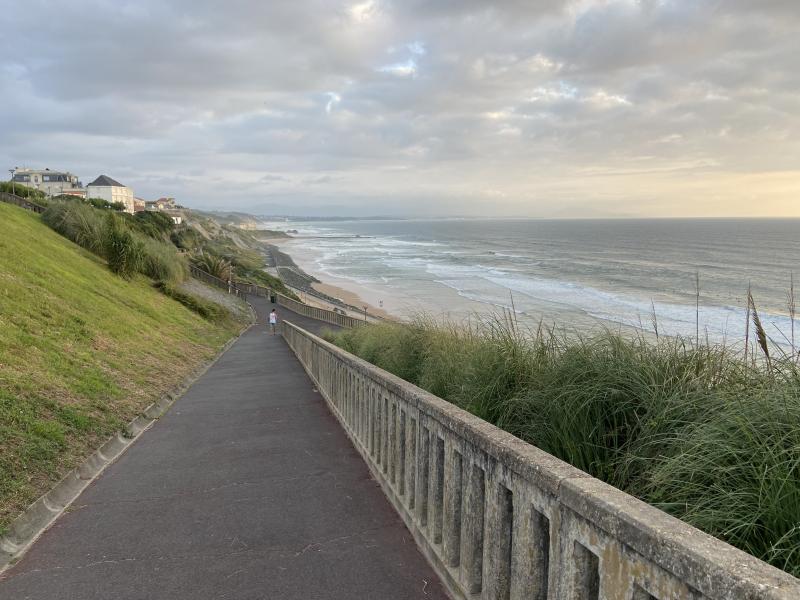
[[105, 180]]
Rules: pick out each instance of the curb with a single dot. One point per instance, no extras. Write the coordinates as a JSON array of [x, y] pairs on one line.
[[40, 515]]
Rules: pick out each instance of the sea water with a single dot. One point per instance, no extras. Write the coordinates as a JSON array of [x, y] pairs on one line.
[[569, 273]]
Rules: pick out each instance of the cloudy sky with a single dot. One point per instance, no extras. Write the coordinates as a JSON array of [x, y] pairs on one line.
[[552, 108]]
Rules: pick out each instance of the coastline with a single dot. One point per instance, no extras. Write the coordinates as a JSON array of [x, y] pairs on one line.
[[351, 300], [350, 297]]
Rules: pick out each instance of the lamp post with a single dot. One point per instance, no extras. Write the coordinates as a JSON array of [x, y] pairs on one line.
[[365, 313], [11, 179]]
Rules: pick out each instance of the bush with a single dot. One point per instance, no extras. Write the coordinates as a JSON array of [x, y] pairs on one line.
[[108, 235], [697, 432], [23, 191], [78, 222], [105, 204], [216, 266], [205, 308], [156, 225], [66, 198], [125, 254], [186, 238], [162, 263]]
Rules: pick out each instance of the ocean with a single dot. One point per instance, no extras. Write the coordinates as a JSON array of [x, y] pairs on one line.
[[574, 274]]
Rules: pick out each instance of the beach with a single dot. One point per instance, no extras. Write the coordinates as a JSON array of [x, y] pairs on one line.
[[351, 299], [579, 275]]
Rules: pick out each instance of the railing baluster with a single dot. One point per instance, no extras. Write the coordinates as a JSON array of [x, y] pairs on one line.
[[501, 519]]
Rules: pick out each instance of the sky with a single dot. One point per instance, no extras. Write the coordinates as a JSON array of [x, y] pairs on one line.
[[542, 108]]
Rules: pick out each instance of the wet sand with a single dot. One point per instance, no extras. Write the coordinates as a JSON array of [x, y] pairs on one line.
[[349, 297]]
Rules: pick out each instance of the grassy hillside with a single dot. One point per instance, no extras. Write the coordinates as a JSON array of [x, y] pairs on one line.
[[81, 352]]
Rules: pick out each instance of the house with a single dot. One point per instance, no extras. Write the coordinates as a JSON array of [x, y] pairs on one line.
[[50, 182], [162, 204], [139, 204], [112, 191], [168, 206]]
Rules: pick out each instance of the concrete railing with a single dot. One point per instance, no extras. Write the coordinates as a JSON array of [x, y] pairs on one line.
[[501, 519], [320, 314], [251, 289], [244, 289], [215, 281], [21, 202]]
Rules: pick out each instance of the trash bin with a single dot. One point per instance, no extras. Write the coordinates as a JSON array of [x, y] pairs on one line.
[[272, 298]]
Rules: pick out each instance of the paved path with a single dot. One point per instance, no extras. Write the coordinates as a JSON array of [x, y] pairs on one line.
[[246, 489]]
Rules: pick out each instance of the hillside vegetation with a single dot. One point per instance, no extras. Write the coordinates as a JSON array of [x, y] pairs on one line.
[[224, 249], [82, 351], [702, 433]]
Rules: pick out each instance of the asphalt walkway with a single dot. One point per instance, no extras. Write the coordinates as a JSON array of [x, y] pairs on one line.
[[246, 489]]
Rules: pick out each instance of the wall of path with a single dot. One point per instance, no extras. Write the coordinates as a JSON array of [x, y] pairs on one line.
[[501, 519]]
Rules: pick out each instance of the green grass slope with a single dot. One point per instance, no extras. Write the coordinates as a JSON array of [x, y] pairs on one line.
[[82, 351]]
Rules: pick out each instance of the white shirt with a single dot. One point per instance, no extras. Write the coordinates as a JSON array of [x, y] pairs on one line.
[[273, 318]]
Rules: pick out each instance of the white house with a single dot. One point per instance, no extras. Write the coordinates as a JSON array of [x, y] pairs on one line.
[[112, 191]]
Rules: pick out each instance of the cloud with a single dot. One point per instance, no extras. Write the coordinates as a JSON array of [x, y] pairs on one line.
[[413, 104], [407, 68]]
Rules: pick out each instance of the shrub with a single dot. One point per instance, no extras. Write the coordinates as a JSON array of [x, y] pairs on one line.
[[124, 252], [108, 235], [105, 204], [156, 225], [78, 222], [205, 308], [23, 191], [161, 262], [186, 238], [216, 266]]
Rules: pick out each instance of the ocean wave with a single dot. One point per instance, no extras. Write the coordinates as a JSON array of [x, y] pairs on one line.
[[388, 241], [626, 309], [565, 277], [451, 270]]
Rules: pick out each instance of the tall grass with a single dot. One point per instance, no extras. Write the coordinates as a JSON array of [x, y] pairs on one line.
[[215, 265], [109, 235], [124, 252], [695, 430]]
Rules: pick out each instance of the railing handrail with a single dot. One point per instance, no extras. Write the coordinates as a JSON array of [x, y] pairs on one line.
[[314, 312], [10, 198], [321, 314], [199, 273], [501, 517], [343, 305]]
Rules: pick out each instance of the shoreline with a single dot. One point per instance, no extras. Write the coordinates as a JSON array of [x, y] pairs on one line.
[[350, 297], [349, 300]]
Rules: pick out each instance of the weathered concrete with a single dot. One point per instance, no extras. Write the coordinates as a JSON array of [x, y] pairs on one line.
[[501, 519], [247, 488], [321, 314]]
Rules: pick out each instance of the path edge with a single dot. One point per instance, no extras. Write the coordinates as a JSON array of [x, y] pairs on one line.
[[43, 512]]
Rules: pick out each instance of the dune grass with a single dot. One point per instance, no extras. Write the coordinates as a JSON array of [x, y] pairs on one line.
[[82, 351], [699, 432], [117, 238]]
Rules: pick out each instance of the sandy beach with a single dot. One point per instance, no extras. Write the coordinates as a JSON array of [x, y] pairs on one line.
[[349, 297], [346, 296]]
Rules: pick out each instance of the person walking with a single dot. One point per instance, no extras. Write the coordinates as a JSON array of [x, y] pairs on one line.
[[273, 321]]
